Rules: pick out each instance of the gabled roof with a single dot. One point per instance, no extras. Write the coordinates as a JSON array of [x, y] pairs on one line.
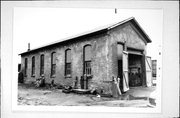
[[96, 31]]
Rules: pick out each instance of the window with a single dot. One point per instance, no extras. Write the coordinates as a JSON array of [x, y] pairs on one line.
[[154, 66], [53, 64], [33, 66], [42, 64], [26, 66], [87, 60], [68, 62]]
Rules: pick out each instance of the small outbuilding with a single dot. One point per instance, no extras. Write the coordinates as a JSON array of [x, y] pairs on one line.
[[93, 58]]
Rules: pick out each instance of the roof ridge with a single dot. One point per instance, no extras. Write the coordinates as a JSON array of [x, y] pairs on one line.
[[100, 28]]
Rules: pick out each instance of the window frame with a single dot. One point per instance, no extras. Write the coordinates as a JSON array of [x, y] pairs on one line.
[[25, 67], [42, 65], [53, 65], [87, 61], [33, 67], [67, 64]]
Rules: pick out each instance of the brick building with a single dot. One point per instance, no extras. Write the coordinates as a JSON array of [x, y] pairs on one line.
[[114, 50]]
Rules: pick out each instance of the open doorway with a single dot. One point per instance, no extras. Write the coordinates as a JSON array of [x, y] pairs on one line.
[[135, 70], [120, 48], [130, 67]]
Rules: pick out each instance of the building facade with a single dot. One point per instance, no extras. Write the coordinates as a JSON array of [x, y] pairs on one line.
[[114, 50]]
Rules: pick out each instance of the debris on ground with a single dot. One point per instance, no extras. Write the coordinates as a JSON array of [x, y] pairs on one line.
[[29, 95], [98, 96], [67, 89], [40, 82]]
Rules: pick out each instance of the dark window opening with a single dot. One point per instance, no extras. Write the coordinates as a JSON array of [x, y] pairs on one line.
[[42, 65], [33, 66], [87, 67], [19, 67], [68, 62], [53, 64], [87, 60], [120, 49], [26, 66]]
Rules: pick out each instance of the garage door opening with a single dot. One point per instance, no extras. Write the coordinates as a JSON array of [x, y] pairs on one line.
[[135, 70]]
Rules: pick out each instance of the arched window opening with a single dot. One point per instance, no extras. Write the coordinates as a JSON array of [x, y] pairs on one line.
[[42, 65], [87, 60], [33, 66], [53, 64], [68, 62], [26, 67]]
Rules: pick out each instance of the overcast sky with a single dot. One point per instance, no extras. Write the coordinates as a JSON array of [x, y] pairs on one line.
[[40, 26]]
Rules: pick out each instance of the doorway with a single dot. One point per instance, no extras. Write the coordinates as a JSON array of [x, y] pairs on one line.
[[135, 70], [120, 48]]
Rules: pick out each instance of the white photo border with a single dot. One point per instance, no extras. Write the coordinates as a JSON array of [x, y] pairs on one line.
[[11, 93]]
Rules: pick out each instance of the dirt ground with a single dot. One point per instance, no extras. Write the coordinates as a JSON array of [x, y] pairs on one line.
[[135, 97]]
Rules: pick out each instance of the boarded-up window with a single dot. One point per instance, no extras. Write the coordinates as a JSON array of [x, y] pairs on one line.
[[33, 66], [68, 62], [53, 64], [42, 64], [87, 60], [26, 66]]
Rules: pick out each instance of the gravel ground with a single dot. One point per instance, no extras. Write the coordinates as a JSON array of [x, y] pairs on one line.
[[136, 97]]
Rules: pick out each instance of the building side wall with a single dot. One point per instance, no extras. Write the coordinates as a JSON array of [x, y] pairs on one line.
[[100, 53]]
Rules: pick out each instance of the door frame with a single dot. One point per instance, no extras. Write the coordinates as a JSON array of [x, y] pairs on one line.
[[141, 66]]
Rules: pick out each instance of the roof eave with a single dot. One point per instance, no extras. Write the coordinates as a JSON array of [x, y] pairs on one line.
[[69, 39], [131, 19], [141, 30]]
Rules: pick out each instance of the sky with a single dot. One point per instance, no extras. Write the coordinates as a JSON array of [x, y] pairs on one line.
[[41, 26]]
